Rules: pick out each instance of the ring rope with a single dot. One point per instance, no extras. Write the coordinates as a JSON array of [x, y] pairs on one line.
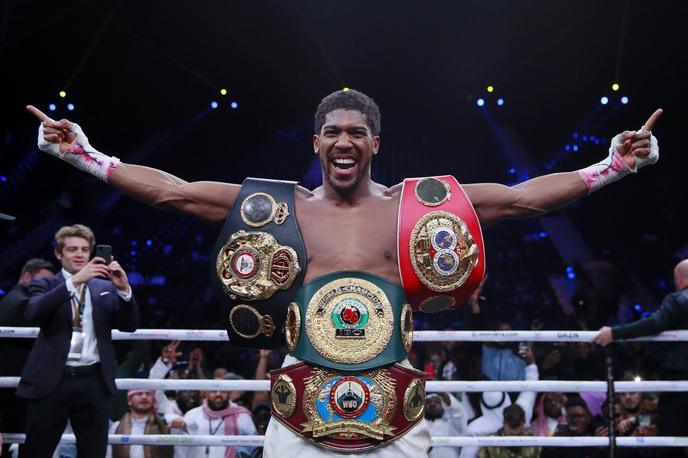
[[217, 335], [437, 441], [453, 386]]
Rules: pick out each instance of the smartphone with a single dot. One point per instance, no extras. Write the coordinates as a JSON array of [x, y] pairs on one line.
[[105, 252]]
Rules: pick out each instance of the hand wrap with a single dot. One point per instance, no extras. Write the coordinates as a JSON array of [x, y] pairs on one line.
[[80, 154], [614, 167]]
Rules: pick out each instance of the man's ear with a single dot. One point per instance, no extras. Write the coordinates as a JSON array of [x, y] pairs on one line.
[[316, 143], [376, 144]]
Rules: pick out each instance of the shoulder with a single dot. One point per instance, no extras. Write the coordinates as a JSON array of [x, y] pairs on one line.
[[194, 413]]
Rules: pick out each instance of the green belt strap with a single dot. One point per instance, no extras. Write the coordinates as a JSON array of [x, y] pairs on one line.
[[350, 299]]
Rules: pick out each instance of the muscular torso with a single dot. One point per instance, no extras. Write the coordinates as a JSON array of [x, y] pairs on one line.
[[340, 236]]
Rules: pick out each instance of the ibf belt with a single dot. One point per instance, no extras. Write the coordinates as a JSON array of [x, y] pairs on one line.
[[349, 321], [259, 263], [440, 244], [348, 411]]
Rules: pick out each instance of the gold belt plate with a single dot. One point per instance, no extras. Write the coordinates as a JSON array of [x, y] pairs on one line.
[[349, 321], [253, 266]]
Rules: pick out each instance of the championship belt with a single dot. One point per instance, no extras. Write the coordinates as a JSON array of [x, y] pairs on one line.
[[348, 411], [350, 321], [259, 263], [440, 244]]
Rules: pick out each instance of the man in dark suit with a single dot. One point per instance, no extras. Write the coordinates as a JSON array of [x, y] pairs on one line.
[[15, 351], [70, 373]]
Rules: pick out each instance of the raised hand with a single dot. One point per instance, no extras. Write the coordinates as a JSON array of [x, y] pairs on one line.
[[637, 148], [54, 136], [169, 353], [118, 276], [95, 268]]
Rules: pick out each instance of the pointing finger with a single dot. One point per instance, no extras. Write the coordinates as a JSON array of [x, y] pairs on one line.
[[37, 113], [650, 123]]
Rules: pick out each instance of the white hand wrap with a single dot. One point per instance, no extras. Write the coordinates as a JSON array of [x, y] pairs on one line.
[[80, 154], [614, 167]]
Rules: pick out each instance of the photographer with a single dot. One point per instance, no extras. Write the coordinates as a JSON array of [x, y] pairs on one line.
[[70, 373]]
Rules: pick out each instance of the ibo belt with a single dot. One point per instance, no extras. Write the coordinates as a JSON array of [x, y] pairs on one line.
[[348, 411], [350, 321]]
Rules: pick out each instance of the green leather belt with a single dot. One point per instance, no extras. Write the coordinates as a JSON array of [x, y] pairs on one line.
[[350, 321]]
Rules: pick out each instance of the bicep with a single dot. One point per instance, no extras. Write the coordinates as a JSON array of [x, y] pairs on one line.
[[493, 202], [209, 200]]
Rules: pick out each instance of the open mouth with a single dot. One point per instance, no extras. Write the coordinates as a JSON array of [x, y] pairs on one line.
[[344, 165]]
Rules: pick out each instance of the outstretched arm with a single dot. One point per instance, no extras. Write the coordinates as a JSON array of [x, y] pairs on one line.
[[629, 152], [210, 201]]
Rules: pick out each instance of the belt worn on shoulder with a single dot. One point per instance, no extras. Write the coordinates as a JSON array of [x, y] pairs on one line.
[[350, 321], [259, 262], [348, 411]]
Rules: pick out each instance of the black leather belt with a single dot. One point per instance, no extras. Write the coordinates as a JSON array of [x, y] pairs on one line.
[[74, 371], [259, 263]]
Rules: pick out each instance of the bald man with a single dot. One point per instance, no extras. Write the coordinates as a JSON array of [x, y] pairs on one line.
[[672, 314]]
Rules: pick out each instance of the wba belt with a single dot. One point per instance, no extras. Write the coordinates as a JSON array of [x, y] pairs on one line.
[[440, 244], [259, 263], [348, 411], [350, 321]]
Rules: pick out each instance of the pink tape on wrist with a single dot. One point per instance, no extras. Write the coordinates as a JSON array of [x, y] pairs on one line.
[[601, 174]]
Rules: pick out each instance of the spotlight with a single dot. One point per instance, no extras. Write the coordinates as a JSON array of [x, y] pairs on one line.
[[213, 104], [637, 378], [575, 135], [52, 107], [624, 100], [346, 89], [637, 307], [604, 100], [62, 94], [512, 170], [223, 91], [234, 105], [480, 102], [70, 107], [575, 147], [500, 102], [3, 178], [490, 89], [615, 87], [567, 147], [584, 138]]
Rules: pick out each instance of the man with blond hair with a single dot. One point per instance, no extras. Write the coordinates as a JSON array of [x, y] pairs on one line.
[[70, 373]]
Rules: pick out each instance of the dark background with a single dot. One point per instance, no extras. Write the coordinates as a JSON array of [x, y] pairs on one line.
[[142, 76]]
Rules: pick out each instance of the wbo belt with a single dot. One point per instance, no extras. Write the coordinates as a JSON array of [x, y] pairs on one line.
[[351, 410], [350, 321]]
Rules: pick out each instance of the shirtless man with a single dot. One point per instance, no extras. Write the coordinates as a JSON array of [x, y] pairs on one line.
[[346, 138]]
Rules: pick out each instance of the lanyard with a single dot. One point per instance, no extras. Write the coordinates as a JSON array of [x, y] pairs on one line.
[[78, 307], [212, 432]]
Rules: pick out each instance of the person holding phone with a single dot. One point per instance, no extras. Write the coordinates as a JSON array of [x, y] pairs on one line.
[[70, 373]]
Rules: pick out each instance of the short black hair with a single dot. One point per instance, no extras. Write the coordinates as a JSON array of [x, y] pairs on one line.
[[577, 401], [514, 416], [349, 99], [33, 265]]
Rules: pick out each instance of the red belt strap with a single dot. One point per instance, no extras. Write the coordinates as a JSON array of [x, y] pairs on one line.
[[439, 243], [348, 411]]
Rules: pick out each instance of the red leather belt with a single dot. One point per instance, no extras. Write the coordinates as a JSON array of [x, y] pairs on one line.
[[440, 244], [348, 411]]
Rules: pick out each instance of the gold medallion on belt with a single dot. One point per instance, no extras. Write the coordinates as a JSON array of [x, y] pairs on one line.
[[349, 321], [253, 266], [443, 252]]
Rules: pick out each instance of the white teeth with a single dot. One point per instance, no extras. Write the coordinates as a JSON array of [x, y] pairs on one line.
[[344, 161]]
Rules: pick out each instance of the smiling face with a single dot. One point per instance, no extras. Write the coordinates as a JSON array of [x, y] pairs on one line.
[[74, 255], [346, 146]]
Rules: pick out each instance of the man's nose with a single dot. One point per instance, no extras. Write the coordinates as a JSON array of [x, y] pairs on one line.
[[343, 141]]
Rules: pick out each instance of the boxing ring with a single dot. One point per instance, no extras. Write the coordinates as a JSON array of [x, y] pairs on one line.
[[197, 335]]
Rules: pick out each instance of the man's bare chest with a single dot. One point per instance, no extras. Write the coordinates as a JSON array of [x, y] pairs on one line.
[[350, 238]]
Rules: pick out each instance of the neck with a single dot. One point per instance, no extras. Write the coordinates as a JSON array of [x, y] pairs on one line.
[[139, 415], [364, 188]]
